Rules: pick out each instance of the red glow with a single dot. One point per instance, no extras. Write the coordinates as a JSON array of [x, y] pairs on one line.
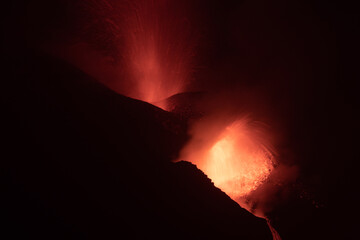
[[158, 49]]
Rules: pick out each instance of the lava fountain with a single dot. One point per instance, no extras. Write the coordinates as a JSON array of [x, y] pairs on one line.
[[238, 163], [158, 48], [236, 156]]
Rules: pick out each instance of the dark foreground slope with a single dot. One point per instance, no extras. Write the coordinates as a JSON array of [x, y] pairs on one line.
[[80, 161]]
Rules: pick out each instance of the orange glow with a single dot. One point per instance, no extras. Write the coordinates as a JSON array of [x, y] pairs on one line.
[[238, 161]]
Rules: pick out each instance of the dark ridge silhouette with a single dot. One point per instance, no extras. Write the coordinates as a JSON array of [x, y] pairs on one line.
[[185, 105], [82, 162]]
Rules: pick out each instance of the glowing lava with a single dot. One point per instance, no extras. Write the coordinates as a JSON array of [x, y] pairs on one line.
[[238, 161]]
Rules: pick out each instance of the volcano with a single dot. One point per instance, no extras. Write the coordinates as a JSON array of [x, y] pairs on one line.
[[179, 120]]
